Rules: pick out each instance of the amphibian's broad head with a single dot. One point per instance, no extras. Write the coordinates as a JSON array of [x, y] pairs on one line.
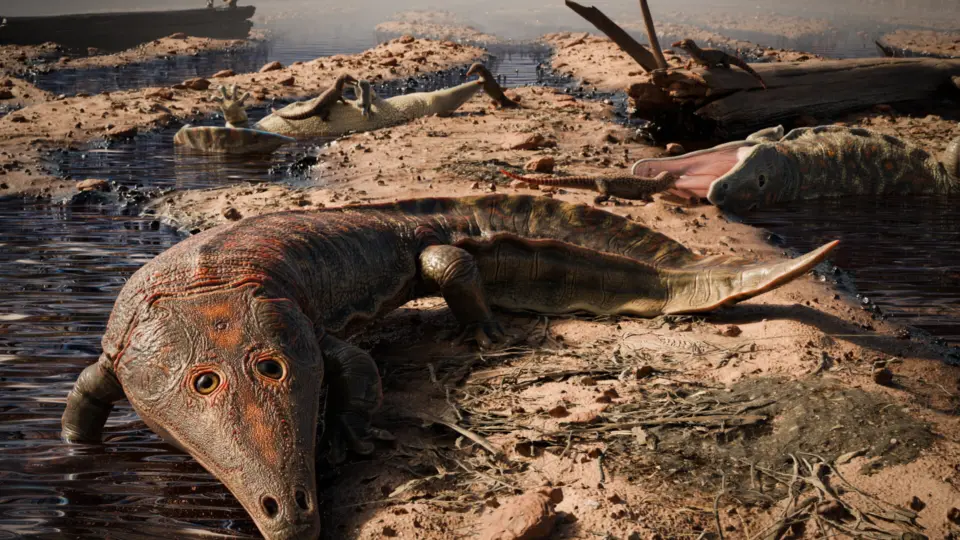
[[752, 181], [737, 176], [234, 379]]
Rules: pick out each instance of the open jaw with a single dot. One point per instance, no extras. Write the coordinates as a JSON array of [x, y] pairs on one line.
[[696, 171]]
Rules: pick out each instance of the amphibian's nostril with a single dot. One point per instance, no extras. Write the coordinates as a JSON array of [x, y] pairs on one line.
[[302, 500], [270, 506]]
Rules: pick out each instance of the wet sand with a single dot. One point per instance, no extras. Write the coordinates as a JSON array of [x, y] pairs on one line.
[[924, 42], [568, 374], [58, 123]]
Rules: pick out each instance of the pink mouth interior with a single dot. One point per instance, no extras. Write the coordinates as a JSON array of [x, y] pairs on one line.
[[696, 173]]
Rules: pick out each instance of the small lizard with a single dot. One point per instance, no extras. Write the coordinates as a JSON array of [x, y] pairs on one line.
[[366, 97], [490, 85], [710, 58], [624, 186], [318, 106]]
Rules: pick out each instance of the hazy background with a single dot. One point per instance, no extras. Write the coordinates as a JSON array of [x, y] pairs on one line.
[[303, 29]]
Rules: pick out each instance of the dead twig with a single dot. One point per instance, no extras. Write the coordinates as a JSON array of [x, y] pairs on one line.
[[657, 51], [627, 44]]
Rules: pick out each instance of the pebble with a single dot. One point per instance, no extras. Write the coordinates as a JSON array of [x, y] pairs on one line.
[[272, 66], [224, 73], [524, 141], [6, 94], [883, 376], [197, 83], [675, 149], [543, 164], [93, 184], [530, 516]]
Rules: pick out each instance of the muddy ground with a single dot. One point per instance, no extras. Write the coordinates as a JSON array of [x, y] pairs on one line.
[[924, 42], [673, 427]]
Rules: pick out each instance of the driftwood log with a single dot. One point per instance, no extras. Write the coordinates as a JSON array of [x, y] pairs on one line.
[[627, 44], [732, 100]]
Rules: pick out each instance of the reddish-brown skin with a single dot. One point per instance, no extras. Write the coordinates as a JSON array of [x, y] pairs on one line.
[[228, 343], [624, 186], [711, 58]]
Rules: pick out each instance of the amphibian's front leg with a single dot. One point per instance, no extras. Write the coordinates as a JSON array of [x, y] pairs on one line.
[[354, 394], [232, 107], [603, 188], [454, 273]]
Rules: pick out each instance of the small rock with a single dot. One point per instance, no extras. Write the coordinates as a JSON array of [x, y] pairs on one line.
[[954, 515], [287, 81], [272, 66], [223, 73], [122, 132], [389, 531], [542, 164], [406, 39], [179, 86], [916, 504], [389, 62], [732, 331], [93, 184], [177, 35], [558, 412], [197, 83], [18, 119], [530, 516], [5, 94], [524, 141], [6, 83], [644, 372], [231, 213], [883, 376], [159, 93], [588, 381], [449, 45], [675, 149]]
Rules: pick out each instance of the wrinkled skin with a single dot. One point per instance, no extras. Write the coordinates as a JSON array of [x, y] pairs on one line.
[[228, 343], [253, 431], [808, 163]]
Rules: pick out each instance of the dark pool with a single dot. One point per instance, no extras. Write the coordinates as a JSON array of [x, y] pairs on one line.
[[60, 271], [903, 253]]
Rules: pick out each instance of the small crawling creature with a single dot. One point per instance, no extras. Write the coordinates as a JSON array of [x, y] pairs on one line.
[[711, 58], [624, 186]]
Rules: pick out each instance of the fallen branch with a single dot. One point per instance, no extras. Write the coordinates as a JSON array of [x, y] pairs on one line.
[[652, 35], [618, 35]]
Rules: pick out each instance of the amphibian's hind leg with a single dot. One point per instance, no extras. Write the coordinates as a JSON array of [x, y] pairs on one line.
[[454, 273], [603, 188], [354, 394]]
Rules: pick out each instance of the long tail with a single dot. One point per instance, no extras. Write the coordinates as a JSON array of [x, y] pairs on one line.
[[549, 181], [313, 107], [746, 67]]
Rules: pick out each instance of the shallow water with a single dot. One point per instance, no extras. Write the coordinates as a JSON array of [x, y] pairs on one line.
[[60, 271], [903, 253]]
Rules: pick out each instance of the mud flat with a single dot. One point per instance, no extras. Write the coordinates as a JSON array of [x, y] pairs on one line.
[[562, 406], [923, 43], [441, 25], [600, 63], [774, 24], [29, 132]]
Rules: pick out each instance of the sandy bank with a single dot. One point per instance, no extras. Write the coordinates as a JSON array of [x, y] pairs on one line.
[[441, 25], [924, 42], [76, 120]]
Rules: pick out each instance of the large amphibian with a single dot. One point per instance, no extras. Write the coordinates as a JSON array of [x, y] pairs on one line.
[[809, 163], [224, 342]]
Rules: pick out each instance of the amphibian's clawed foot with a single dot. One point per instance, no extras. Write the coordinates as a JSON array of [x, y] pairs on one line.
[[232, 106], [351, 432], [485, 334]]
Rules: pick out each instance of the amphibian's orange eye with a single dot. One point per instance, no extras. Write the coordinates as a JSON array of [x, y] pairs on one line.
[[270, 369], [206, 383]]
